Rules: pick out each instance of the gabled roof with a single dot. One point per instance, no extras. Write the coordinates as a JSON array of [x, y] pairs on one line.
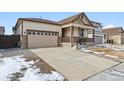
[[72, 18], [69, 19], [64, 21], [2, 28], [113, 31], [40, 20]]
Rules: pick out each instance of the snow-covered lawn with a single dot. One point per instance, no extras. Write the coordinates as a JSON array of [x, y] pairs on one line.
[[105, 52], [17, 68]]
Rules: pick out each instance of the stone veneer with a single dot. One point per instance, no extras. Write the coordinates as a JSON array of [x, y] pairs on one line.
[[23, 41]]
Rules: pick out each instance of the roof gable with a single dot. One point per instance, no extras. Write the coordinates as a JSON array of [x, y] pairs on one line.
[[85, 19], [78, 21], [82, 16], [113, 31]]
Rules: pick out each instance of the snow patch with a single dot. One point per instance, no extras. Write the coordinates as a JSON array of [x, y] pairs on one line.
[[12, 65], [85, 50], [118, 49], [2, 50], [111, 56], [99, 53]]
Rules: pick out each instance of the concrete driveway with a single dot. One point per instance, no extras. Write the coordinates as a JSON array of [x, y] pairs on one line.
[[74, 65]]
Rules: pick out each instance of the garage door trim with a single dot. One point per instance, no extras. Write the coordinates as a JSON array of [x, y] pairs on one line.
[[43, 32]]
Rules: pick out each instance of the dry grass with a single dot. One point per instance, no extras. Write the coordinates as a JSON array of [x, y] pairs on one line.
[[117, 53], [29, 56], [42, 65], [109, 51], [106, 50]]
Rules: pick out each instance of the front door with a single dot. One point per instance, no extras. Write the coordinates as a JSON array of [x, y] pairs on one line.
[[81, 33]]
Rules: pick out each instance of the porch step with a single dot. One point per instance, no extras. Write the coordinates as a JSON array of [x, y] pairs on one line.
[[67, 45], [74, 47]]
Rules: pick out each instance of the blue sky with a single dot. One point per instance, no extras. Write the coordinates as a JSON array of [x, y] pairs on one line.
[[108, 19]]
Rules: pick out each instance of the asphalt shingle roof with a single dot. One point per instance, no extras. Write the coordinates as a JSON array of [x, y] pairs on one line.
[[113, 31]]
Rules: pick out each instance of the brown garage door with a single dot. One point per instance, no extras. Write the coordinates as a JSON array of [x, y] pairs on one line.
[[42, 39]]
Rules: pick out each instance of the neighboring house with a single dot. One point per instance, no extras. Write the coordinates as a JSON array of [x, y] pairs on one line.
[[114, 35], [36, 33], [2, 30], [99, 35]]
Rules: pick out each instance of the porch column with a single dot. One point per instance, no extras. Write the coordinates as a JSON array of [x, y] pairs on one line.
[[71, 33], [93, 35]]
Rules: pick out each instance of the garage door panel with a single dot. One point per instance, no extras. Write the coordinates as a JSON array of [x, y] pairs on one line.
[[98, 40], [42, 41]]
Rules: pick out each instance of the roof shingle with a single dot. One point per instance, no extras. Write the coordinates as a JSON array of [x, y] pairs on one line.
[[40, 20], [69, 19], [113, 31]]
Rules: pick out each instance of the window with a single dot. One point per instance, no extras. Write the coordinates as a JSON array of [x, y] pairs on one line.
[[52, 33], [49, 34], [38, 33], [41, 33], [29, 33], [45, 33], [55, 34], [33, 33]]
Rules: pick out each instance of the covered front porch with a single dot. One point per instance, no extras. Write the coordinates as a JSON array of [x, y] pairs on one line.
[[80, 35]]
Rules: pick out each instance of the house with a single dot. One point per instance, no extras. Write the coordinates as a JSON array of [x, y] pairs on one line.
[[2, 30], [37, 33], [114, 35], [99, 35]]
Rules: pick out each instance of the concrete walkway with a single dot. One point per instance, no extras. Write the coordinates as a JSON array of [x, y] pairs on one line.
[[74, 65]]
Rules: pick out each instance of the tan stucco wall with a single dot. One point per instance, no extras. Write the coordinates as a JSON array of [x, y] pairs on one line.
[[87, 33], [122, 38], [85, 20], [76, 32], [40, 26], [116, 38], [67, 32], [78, 21], [19, 30]]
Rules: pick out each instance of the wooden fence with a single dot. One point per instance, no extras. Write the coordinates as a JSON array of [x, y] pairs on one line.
[[9, 41]]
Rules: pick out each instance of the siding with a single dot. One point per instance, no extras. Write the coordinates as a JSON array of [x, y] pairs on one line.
[[116, 38], [40, 26]]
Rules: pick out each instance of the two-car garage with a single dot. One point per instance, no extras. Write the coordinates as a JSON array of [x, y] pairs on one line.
[[41, 39], [38, 33]]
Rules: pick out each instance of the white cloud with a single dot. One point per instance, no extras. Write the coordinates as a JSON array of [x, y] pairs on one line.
[[109, 26]]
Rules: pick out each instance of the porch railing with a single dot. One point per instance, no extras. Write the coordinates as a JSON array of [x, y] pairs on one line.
[[65, 39], [85, 41], [76, 39]]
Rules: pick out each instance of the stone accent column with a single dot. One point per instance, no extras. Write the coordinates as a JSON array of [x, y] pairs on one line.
[[59, 41], [23, 41], [93, 35], [72, 35]]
